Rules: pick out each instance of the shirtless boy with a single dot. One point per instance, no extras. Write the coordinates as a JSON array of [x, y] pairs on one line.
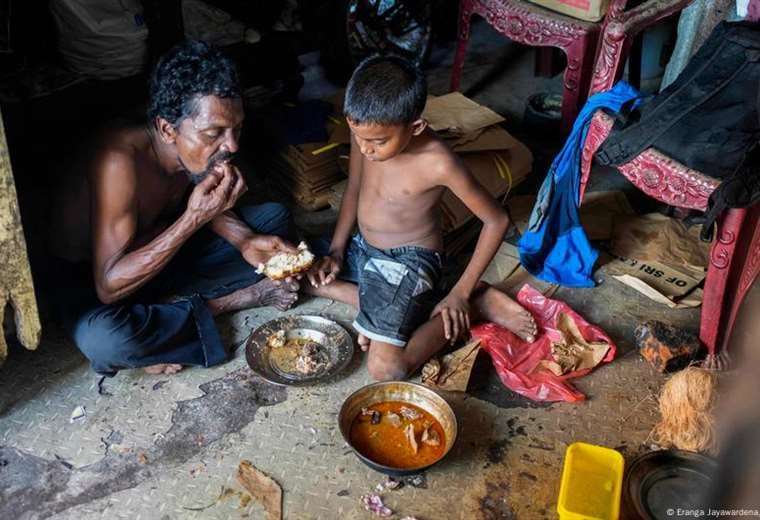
[[398, 172]]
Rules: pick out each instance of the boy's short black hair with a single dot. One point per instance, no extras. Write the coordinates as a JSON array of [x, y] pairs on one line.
[[190, 70], [385, 90]]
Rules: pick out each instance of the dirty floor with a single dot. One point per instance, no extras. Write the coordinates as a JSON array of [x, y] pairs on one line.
[[165, 447]]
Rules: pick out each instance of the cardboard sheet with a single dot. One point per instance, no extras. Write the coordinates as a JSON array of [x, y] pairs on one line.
[[452, 372], [457, 115], [657, 238], [676, 287]]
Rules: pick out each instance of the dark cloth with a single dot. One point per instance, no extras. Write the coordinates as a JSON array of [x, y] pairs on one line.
[[398, 288], [709, 117], [166, 321]]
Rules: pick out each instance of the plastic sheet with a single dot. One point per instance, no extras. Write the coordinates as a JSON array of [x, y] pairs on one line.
[[518, 362]]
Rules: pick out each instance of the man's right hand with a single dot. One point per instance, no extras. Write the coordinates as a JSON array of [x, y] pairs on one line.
[[217, 193], [325, 270]]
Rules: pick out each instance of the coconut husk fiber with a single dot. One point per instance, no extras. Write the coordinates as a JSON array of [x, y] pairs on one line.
[[687, 401]]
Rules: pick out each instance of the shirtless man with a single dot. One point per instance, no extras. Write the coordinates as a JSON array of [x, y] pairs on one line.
[[398, 172], [147, 246]]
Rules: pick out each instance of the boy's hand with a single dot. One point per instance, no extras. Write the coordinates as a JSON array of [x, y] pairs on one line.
[[325, 270], [455, 313]]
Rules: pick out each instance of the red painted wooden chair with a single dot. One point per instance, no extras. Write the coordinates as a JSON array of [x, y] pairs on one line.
[[735, 254], [537, 26]]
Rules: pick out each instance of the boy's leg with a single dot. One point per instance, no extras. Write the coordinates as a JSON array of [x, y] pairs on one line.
[[339, 290], [388, 362], [489, 303]]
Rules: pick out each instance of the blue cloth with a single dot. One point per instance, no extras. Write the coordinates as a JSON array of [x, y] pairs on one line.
[[167, 320], [555, 247]]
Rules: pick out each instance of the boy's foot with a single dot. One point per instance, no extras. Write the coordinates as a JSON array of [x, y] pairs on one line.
[[163, 368], [363, 342], [499, 308]]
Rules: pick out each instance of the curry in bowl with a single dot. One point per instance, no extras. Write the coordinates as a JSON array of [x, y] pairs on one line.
[[398, 427]]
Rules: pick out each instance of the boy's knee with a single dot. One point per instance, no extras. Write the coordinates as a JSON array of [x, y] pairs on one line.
[[387, 369]]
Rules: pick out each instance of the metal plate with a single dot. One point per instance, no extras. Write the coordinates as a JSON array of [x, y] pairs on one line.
[[661, 481], [336, 349]]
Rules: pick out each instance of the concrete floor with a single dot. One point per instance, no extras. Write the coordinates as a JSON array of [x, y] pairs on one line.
[[163, 447]]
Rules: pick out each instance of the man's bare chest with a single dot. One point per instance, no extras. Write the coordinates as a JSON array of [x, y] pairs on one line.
[[160, 202]]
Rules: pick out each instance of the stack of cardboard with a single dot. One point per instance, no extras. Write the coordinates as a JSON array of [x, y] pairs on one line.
[[306, 172], [497, 160]]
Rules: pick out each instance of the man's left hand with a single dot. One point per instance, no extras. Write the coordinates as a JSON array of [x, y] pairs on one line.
[[455, 313], [260, 248]]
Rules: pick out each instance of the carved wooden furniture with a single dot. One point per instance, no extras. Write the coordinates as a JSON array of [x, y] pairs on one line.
[[533, 25], [618, 34], [735, 254], [16, 285]]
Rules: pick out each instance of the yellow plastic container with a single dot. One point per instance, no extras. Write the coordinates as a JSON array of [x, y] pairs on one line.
[[592, 480]]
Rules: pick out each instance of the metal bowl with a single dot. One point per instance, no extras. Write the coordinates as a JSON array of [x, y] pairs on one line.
[[412, 393], [337, 349]]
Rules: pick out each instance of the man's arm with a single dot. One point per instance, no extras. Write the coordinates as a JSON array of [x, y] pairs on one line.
[[232, 229], [119, 268]]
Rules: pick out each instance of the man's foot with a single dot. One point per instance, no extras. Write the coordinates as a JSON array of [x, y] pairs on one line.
[[499, 308], [266, 293], [363, 342], [163, 368]]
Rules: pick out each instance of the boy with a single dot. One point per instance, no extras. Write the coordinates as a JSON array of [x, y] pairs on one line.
[[398, 172]]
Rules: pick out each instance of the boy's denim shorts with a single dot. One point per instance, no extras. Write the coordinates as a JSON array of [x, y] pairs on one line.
[[398, 288]]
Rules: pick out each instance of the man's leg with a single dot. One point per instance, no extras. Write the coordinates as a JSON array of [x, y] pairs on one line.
[[167, 336]]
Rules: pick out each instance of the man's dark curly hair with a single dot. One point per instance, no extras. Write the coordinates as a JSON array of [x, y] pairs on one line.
[[190, 70]]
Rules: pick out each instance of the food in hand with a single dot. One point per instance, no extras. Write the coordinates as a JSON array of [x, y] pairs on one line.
[[283, 265]]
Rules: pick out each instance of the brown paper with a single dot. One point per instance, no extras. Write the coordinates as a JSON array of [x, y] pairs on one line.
[[486, 139], [452, 372], [572, 352], [262, 487], [454, 114], [671, 286], [658, 238]]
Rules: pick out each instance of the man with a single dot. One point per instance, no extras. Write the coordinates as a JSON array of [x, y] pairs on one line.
[[148, 246]]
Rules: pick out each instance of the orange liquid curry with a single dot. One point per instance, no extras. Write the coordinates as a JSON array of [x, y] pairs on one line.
[[388, 444]]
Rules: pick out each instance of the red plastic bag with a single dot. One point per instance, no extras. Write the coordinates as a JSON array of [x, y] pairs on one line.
[[517, 362]]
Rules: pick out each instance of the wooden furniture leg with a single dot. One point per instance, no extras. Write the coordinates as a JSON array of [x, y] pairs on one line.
[[463, 36], [578, 73], [734, 266], [16, 285]]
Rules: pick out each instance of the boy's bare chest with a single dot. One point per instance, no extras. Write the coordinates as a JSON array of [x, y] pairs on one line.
[[402, 188]]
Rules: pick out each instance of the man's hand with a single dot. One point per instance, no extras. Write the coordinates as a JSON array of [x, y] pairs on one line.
[[217, 193], [455, 313], [325, 270], [260, 248]]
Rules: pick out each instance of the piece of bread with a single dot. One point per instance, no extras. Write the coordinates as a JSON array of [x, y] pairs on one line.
[[282, 265]]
